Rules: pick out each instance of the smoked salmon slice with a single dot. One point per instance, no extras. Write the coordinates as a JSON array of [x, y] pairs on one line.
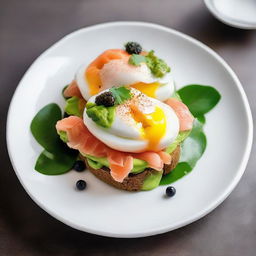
[[92, 73], [93, 70], [121, 163], [185, 117], [72, 90], [156, 160]]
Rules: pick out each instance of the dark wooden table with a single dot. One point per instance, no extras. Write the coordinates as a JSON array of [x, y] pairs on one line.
[[28, 27]]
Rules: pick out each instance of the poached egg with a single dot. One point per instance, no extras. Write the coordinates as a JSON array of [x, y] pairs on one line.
[[105, 72], [140, 124]]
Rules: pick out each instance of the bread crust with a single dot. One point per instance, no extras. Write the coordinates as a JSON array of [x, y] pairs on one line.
[[175, 159], [133, 182]]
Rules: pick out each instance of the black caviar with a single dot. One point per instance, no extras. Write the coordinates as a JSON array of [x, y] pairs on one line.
[[80, 184], [106, 99], [133, 48], [170, 191], [79, 165]]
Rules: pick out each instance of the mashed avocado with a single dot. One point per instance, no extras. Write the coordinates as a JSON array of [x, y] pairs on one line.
[[157, 66], [101, 115]]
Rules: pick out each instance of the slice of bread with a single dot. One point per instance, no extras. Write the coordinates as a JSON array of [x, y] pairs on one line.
[[133, 182]]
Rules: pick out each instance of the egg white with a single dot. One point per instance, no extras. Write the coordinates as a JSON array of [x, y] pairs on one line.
[[124, 137], [82, 83]]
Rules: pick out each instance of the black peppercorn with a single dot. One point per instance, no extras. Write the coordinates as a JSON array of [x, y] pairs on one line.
[[170, 191], [80, 184]]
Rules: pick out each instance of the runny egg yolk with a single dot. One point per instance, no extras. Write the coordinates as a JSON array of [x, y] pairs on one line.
[[153, 126], [148, 89], [93, 79]]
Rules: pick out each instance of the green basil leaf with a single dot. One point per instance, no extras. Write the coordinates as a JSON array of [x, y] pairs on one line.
[[199, 99], [57, 163], [43, 127], [121, 94]]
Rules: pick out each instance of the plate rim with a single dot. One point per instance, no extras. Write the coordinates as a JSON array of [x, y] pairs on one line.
[[167, 228]]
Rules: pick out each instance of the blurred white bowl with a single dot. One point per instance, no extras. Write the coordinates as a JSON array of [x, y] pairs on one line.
[[236, 13]]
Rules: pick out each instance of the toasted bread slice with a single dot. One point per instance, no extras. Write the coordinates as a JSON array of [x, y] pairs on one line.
[[133, 182]]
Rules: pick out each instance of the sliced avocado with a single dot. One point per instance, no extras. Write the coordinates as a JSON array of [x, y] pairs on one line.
[[93, 164], [101, 160], [75, 106], [181, 136], [63, 136], [138, 165], [152, 181]]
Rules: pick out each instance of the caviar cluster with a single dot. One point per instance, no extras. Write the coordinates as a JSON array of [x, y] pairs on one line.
[[133, 48], [106, 99]]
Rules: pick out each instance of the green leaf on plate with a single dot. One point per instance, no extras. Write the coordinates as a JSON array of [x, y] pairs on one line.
[[55, 164], [191, 151], [56, 158], [201, 119], [43, 127], [194, 145], [200, 99], [180, 170]]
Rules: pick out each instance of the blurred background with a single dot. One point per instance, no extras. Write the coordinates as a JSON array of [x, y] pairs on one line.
[[27, 28]]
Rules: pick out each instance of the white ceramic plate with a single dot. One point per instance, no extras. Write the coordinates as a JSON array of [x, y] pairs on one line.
[[102, 209]]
